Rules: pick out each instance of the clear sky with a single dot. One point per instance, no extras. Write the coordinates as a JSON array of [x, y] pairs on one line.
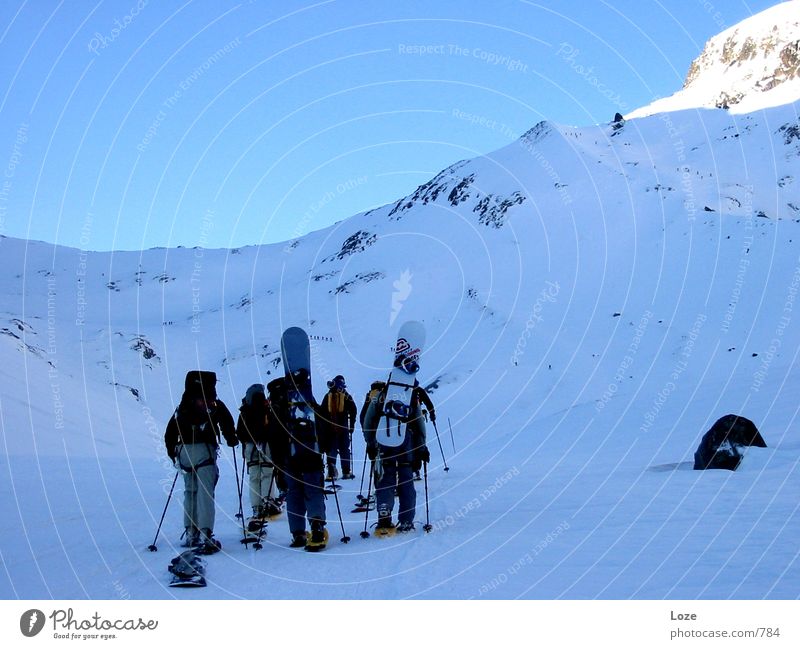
[[131, 124]]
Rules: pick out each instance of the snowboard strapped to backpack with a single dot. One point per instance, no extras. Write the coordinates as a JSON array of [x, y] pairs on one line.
[[403, 378], [397, 400]]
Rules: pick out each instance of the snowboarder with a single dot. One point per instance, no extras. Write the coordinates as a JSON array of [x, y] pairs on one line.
[[304, 465], [253, 430], [304, 476], [338, 415], [278, 433], [394, 464], [192, 441]]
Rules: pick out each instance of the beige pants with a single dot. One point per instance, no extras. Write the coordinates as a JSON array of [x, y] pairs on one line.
[[259, 468], [200, 476]]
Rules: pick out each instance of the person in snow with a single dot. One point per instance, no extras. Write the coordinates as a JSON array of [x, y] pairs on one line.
[[279, 433], [338, 416], [253, 430], [192, 441], [304, 469], [394, 456]]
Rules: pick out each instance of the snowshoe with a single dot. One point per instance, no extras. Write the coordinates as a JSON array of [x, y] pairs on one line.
[[384, 527], [255, 524], [363, 508], [406, 526], [348, 476], [316, 540], [188, 570]]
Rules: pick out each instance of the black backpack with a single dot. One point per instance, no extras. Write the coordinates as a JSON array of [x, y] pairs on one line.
[[201, 383]]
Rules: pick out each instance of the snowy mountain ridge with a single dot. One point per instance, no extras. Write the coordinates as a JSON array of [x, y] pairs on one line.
[[754, 64]]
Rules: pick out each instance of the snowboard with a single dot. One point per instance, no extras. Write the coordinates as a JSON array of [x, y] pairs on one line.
[[402, 381], [316, 547], [188, 570], [296, 354]]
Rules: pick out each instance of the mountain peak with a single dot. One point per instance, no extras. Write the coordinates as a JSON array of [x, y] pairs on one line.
[[752, 65]]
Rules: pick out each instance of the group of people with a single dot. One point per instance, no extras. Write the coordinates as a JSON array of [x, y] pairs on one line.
[[283, 455]]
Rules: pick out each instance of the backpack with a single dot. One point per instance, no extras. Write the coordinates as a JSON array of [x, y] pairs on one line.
[[201, 383], [374, 395]]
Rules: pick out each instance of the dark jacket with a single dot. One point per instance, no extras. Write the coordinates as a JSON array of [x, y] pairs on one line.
[[191, 426], [253, 424], [421, 396], [336, 422]]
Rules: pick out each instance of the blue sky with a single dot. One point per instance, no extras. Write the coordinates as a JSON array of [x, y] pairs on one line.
[[142, 123]]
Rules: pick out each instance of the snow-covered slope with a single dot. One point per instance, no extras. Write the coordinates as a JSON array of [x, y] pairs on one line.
[[752, 65], [594, 297]]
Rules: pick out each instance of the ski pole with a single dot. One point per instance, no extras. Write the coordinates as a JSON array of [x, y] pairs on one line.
[[152, 547], [240, 486], [363, 470], [452, 441], [365, 534], [427, 527], [345, 538], [236, 468], [446, 468]]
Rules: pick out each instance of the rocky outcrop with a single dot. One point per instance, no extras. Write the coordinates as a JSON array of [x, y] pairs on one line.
[[757, 55]]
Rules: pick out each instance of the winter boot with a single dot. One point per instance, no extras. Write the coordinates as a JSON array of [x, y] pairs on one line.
[[255, 522], [405, 526], [317, 531], [332, 472], [384, 519], [298, 540], [190, 538], [206, 543]]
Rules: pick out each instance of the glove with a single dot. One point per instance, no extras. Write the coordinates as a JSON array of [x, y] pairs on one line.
[[232, 442], [423, 454], [372, 452], [433, 416]]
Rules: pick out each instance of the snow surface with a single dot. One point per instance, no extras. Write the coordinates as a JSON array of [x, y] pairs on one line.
[[581, 342]]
